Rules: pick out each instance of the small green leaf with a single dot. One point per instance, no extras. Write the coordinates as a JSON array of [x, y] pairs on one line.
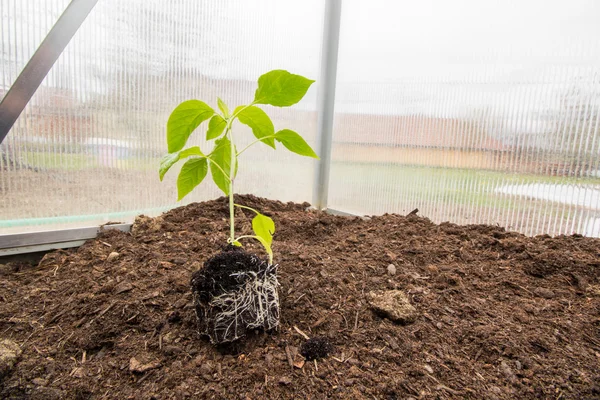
[[191, 151], [170, 159], [237, 243], [259, 121], [183, 120], [223, 107], [221, 155], [191, 175], [280, 88], [263, 227], [166, 163], [267, 247], [216, 126], [294, 143]]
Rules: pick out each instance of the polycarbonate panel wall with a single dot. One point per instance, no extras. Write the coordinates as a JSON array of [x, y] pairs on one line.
[[87, 147], [471, 111], [25, 23]]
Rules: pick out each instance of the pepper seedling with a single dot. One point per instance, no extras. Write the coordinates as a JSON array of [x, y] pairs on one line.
[[277, 88]]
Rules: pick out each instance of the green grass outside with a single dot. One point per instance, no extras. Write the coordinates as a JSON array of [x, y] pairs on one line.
[[466, 187], [448, 186], [78, 161]]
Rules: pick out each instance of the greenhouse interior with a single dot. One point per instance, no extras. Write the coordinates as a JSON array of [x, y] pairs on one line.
[[423, 222]]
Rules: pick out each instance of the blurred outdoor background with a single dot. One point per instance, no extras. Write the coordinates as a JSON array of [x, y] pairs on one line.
[[470, 111]]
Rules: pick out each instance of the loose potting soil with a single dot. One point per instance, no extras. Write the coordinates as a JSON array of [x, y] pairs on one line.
[[499, 315]]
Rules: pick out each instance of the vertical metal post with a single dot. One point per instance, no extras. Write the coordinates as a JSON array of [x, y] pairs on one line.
[[326, 100], [40, 63]]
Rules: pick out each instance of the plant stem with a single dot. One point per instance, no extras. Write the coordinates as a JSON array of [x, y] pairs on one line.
[[247, 208], [231, 177], [256, 141], [232, 173], [218, 166]]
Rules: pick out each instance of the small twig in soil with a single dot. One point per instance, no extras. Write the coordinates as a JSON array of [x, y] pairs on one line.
[[319, 322], [316, 366], [301, 296], [446, 388], [304, 335], [135, 315], [288, 354], [101, 314], [143, 378], [57, 316], [356, 320], [345, 320]]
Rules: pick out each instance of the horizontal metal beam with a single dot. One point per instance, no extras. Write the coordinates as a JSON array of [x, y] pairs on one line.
[[346, 214], [19, 243], [42, 247], [39, 65]]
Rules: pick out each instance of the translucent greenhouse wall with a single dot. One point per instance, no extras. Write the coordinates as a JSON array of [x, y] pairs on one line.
[[471, 111], [87, 147], [24, 25]]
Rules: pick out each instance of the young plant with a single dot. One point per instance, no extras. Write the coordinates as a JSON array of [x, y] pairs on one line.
[[277, 88]]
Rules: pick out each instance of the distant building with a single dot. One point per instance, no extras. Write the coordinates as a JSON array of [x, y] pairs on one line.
[[56, 112], [416, 140]]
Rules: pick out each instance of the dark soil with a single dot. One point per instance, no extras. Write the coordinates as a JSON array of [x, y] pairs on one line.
[[501, 315], [316, 348], [219, 273], [233, 274]]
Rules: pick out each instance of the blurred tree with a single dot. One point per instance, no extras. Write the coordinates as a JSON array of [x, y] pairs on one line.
[[576, 138]]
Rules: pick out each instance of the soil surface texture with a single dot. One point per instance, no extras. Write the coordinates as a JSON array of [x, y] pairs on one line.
[[499, 315]]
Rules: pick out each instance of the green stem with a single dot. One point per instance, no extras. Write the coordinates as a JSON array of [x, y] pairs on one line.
[[231, 177], [246, 237], [247, 208], [232, 173], [218, 166], [256, 141]]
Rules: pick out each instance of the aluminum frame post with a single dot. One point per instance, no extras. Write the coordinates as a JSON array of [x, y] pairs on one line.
[[326, 100], [39, 64]]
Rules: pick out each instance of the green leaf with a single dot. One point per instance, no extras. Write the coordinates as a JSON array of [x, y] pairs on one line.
[[294, 143], [263, 227], [259, 121], [183, 120], [191, 151], [267, 247], [280, 88], [216, 126], [223, 107], [170, 159], [237, 243], [166, 163], [191, 175], [221, 155]]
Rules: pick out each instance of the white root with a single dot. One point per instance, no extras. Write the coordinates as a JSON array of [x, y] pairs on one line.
[[254, 305]]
